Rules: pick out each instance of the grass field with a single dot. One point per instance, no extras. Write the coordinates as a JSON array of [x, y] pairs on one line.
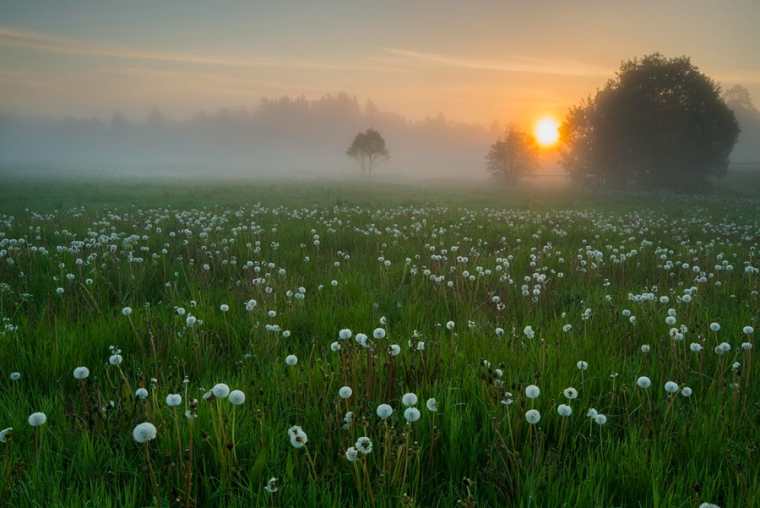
[[563, 349]]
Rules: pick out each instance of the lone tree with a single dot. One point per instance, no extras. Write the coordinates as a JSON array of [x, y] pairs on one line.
[[512, 156], [368, 148], [659, 122]]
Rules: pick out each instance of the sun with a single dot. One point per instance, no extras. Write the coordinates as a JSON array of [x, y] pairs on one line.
[[546, 131]]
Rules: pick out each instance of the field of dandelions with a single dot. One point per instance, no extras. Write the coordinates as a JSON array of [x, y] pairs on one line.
[[304, 345]]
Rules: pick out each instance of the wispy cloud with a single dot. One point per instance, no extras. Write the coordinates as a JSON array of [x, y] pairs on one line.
[[55, 44], [538, 66], [517, 64]]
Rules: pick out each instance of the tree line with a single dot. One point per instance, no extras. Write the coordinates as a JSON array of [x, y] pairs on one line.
[[659, 123]]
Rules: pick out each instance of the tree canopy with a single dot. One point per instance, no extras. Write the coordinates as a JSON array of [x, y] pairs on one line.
[[512, 155], [659, 123], [368, 148]]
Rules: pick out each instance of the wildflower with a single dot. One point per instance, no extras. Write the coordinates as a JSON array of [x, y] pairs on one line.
[[298, 437], [126, 311], [564, 410], [345, 392], [431, 405], [345, 334], [224, 307], [671, 387], [220, 390], [378, 333], [409, 399], [532, 416], [15, 376], [686, 391], [532, 391], [271, 487], [645, 348], [37, 419], [394, 350], [643, 382], [582, 365], [748, 330], [570, 393], [383, 411], [144, 432], [715, 327], [364, 445], [81, 373], [173, 399], [695, 347], [291, 360], [236, 397], [352, 454], [141, 393], [600, 419], [115, 359], [5, 433], [723, 347], [412, 414]]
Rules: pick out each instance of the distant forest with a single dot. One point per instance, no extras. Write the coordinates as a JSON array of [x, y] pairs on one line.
[[279, 137]]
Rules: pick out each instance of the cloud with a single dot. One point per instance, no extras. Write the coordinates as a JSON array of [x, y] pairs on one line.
[[54, 44], [518, 64], [537, 66]]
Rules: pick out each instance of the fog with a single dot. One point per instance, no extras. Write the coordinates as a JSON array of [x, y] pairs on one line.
[[284, 137], [746, 153]]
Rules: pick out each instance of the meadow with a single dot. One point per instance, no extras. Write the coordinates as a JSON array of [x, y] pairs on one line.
[[347, 344]]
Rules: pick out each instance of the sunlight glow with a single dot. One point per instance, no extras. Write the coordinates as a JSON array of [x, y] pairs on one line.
[[546, 131]]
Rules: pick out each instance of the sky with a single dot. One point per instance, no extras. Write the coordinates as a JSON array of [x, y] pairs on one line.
[[503, 61]]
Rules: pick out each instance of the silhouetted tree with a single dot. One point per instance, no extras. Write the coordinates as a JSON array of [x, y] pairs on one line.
[[747, 149], [512, 156], [368, 148], [660, 122], [155, 119]]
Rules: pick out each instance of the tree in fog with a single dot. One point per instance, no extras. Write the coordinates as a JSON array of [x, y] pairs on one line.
[[368, 148], [738, 98], [747, 149], [512, 156], [659, 123]]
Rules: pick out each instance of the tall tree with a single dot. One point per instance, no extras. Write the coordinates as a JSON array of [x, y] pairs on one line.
[[368, 148], [512, 156], [659, 122]]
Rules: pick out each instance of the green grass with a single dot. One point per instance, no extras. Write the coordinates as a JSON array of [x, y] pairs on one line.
[[655, 450]]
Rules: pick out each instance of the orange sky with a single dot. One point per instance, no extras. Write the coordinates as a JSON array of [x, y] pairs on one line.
[[473, 61]]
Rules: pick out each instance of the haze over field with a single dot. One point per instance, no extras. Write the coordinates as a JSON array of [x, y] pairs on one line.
[[281, 89]]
